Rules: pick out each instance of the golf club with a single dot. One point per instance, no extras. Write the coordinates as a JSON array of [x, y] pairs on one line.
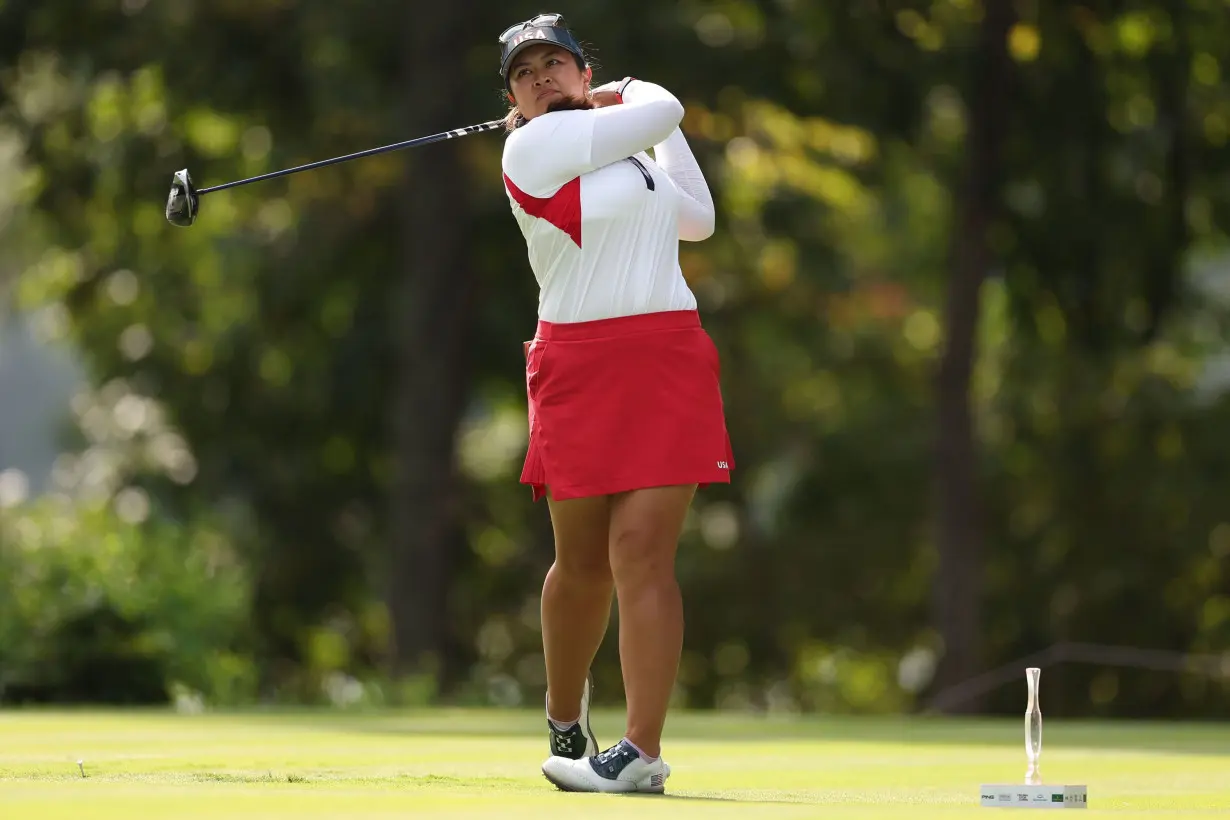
[[183, 203]]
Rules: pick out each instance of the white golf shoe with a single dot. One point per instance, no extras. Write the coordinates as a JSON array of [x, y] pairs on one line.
[[618, 770]]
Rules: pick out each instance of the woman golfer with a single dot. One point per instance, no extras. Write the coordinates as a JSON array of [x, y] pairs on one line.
[[625, 408]]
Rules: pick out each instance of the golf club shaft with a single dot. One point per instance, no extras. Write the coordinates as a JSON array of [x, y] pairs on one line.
[[446, 135]]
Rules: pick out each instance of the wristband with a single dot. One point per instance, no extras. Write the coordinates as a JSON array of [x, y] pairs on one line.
[[619, 92]]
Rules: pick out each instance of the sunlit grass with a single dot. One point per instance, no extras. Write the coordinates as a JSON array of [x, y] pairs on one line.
[[472, 763]]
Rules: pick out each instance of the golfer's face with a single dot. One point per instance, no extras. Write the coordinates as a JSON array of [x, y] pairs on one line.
[[542, 75]]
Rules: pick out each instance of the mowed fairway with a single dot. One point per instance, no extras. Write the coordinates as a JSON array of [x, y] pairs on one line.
[[485, 764]]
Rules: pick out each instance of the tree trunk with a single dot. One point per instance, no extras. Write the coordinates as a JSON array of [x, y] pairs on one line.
[[432, 320], [1171, 68], [956, 598]]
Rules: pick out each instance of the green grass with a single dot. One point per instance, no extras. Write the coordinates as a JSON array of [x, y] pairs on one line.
[[484, 764]]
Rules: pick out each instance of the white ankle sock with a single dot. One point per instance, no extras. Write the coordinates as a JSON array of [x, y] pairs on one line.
[[561, 725], [644, 756]]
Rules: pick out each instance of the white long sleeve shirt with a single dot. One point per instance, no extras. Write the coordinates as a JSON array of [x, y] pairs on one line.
[[602, 220]]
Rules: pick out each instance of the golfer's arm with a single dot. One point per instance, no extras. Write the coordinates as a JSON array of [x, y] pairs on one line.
[[554, 149], [647, 117], [697, 216]]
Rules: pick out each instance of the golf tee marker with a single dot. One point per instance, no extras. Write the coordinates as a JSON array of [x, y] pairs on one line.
[[1033, 793]]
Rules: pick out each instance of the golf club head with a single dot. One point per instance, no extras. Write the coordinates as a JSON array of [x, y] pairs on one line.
[[182, 202]]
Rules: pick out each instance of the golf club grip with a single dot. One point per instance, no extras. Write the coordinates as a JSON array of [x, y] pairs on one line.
[[446, 135]]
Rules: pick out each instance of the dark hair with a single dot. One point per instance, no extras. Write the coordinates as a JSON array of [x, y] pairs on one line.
[[514, 120]]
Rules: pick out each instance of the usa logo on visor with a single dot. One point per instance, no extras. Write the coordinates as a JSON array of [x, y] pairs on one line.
[[532, 34]]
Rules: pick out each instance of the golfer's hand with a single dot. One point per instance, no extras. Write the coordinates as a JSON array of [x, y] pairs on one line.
[[606, 95]]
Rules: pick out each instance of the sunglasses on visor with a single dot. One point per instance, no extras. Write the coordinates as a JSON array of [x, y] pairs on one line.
[[551, 20]]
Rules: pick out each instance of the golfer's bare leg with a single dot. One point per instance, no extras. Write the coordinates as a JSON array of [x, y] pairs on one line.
[[576, 600], [645, 528]]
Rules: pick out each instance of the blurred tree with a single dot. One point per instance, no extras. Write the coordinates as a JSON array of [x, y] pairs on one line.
[[959, 579], [432, 323]]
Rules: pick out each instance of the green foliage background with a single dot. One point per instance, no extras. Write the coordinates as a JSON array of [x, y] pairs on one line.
[[242, 372]]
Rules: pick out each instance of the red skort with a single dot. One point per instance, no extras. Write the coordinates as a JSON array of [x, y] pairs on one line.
[[622, 404]]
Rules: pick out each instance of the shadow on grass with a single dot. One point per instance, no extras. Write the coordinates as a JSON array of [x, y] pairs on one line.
[[697, 799]]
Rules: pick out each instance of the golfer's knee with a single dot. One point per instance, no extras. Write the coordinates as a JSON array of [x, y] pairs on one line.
[[641, 557], [590, 567]]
